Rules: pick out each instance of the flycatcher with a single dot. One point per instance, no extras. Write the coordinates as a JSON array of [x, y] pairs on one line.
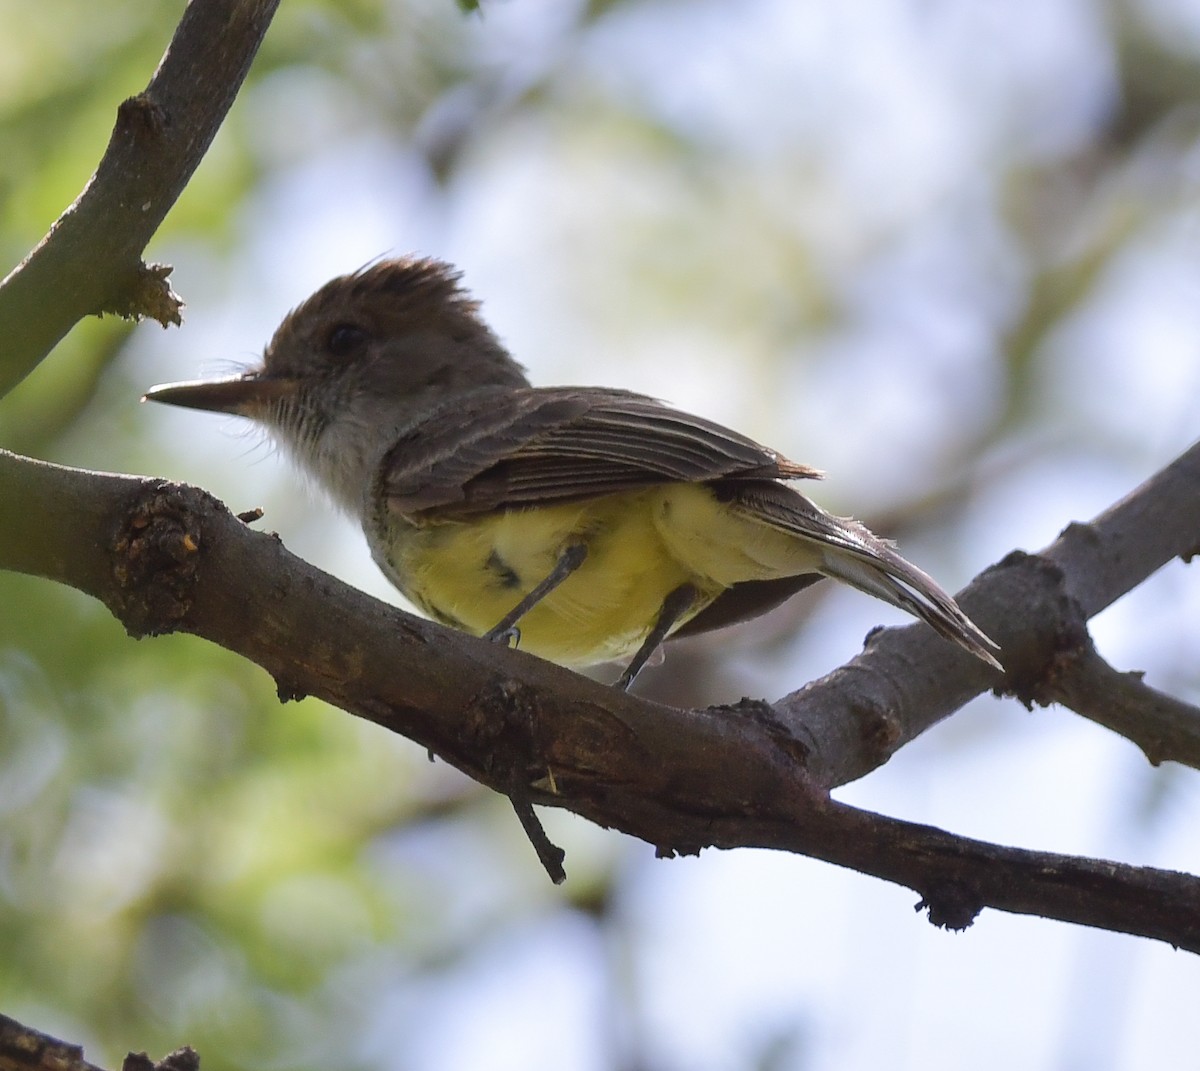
[[582, 523]]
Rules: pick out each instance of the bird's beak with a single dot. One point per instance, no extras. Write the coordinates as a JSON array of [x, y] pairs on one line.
[[245, 395]]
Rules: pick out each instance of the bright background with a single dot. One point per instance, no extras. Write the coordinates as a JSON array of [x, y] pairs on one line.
[[947, 251]]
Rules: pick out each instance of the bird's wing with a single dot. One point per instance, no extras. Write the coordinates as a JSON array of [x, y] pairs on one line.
[[510, 448]]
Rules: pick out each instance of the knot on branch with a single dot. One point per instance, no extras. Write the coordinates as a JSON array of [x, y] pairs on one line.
[[880, 729], [1056, 630], [140, 117], [502, 728], [762, 714], [951, 906], [146, 294], [155, 556]]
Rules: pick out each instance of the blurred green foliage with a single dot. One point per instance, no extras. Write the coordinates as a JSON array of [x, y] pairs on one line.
[[183, 860]]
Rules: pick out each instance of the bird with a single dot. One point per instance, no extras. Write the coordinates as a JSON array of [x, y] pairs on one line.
[[582, 524]]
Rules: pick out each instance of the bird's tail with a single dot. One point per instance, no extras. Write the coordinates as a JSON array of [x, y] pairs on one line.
[[878, 570], [845, 549]]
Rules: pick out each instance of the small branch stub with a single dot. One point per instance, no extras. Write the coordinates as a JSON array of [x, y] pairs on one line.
[[1057, 628], [953, 906], [148, 296], [155, 560], [139, 117]]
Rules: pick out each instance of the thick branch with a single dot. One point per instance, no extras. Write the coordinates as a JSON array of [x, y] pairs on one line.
[[166, 557], [90, 261]]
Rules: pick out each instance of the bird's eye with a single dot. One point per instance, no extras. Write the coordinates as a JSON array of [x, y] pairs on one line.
[[346, 339]]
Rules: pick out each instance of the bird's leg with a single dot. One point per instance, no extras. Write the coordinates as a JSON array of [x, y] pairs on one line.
[[677, 603], [569, 560]]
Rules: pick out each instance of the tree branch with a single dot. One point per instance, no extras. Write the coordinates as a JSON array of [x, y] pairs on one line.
[[164, 557], [25, 1049], [90, 261], [1163, 727], [167, 557]]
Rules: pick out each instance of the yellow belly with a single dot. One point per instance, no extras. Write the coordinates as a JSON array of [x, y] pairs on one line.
[[641, 546]]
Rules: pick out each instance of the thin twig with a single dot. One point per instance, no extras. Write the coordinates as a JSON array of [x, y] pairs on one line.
[[90, 261], [1165, 728]]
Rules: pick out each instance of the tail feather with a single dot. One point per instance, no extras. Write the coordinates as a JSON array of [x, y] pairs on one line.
[[880, 571], [851, 552]]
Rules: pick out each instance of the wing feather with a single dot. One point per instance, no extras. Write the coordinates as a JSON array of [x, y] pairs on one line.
[[509, 448]]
